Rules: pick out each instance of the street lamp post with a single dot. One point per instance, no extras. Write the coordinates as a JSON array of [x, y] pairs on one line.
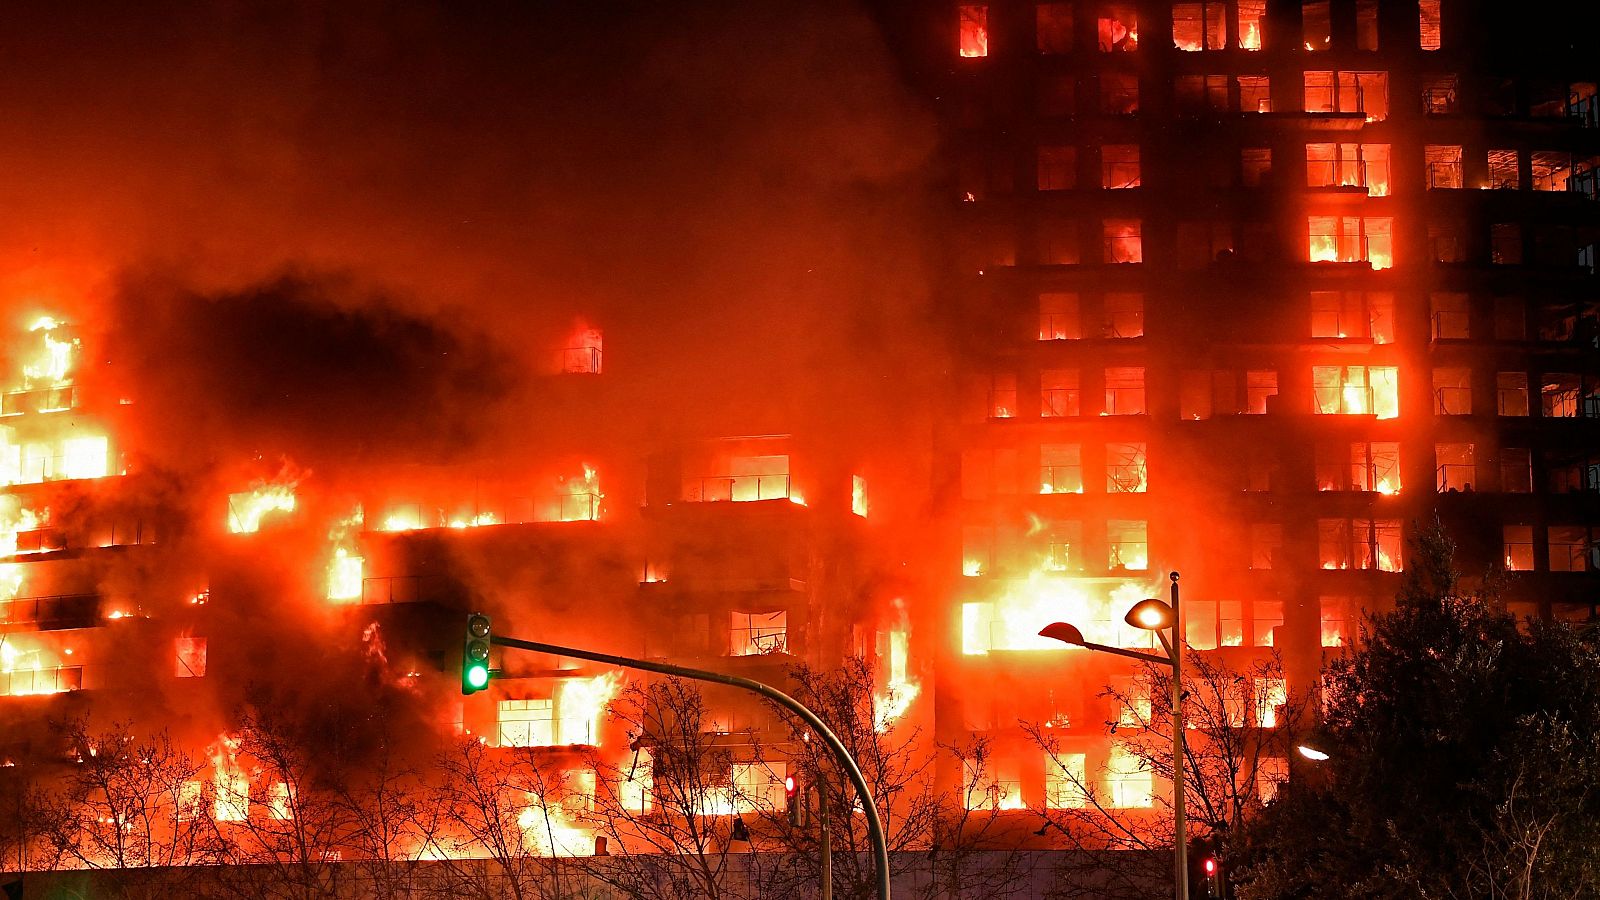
[[1154, 615]]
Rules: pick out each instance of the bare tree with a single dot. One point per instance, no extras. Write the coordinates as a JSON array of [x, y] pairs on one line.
[[672, 813], [897, 770], [131, 802], [1240, 728], [506, 807], [975, 849]]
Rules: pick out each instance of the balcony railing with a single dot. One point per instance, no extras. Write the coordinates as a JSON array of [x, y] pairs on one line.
[[58, 611], [38, 400], [41, 681], [736, 488]]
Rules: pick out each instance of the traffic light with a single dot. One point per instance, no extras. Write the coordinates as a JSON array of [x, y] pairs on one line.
[[791, 801], [1211, 867], [475, 655]]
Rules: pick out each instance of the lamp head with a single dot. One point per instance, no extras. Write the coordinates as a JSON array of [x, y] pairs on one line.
[[1061, 631], [1151, 615]]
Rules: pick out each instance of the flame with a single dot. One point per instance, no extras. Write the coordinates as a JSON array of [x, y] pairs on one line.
[[1012, 620], [1324, 248], [901, 690], [20, 667], [858, 496], [346, 567], [547, 831], [1388, 486], [246, 508], [232, 784], [1250, 36], [582, 500], [477, 521], [583, 701], [52, 362]]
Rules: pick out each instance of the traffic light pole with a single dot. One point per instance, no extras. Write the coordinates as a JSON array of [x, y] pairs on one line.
[[880, 844]]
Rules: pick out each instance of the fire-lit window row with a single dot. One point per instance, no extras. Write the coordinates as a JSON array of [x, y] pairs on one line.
[[1121, 545], [1196, 26], [1568, 548]]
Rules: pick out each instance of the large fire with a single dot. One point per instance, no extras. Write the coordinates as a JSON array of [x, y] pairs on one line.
[[1012, 619]]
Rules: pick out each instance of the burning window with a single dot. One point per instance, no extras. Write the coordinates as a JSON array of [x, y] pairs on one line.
[[527, 723], [1551, 168], [1057, 95], [1058, 317], [990, 785], [1356, 315], [1272, 773], [1455, 468], [1348, 92], [1374, 467], [1119, 93], [1503, 171], [1123, 241], [1201, 93], [1316, 24], [1443, 163], [190, 661], [1129, 782], [1505, 244], [1511, 392], [1052, 27], [1200, 624], [1428, 24], [1366, 239], [1252, 13], [1118, 27], [1119, 166], [1558, 395], [1124, 315], [1199, 26], [1556, 322], [1255, 93], [1063, 546], [1125, 391], [1065, 779], [1518, 544], [1349, 165], [1255, 166], [582, 354], [1058, 392], [1060, 469], [1058, 168], [1127, 544], [758, 633], [1259, 385], [1571, 549], [973, 24], [1332, 617], [1271, 695], [746, 478], [1002, 401], [1359, 544], [1516, 470], [1058, 242], [1356, 390], [1125, 468]]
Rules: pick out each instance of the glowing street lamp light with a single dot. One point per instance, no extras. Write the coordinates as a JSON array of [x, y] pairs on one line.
[[1312, 753], [1157, 616]]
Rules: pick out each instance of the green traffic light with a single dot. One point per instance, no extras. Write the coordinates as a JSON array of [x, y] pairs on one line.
[[478, 676]]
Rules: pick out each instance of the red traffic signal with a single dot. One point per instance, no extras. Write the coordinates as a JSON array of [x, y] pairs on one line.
[[789, 786], [1210, 865]]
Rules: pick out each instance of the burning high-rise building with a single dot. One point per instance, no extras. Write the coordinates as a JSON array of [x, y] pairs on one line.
[[1254, 291]]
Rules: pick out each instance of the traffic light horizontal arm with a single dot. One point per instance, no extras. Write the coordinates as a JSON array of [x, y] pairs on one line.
[[880, 844]]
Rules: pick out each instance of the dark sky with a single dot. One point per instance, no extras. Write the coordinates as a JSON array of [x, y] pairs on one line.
[[730, 190]]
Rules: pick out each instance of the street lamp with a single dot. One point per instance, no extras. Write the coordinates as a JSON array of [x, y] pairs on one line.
[[1312, 753], [1157, 616]]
